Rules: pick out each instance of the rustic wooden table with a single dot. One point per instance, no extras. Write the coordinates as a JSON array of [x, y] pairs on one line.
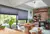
[[27, 27]]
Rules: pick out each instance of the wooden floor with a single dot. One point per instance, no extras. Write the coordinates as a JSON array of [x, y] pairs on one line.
[[10, 31]]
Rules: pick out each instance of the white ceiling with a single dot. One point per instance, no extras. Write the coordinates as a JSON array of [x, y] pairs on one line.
[[36, 4], [12, 3], [26, 4], [47, 2]]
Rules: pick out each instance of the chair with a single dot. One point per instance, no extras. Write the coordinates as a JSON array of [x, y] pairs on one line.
[[22, 28]]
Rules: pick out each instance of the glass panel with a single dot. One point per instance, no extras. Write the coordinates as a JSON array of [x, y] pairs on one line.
[[21, 21], [5, 20]]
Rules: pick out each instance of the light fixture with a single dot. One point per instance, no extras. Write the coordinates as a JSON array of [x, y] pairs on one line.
[[34, 2]]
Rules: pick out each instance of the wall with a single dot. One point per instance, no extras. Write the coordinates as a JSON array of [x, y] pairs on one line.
[[43, 12]]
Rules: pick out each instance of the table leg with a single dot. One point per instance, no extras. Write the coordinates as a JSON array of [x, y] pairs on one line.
[[27, 31]]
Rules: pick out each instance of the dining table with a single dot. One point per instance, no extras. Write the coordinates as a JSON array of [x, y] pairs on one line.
[[10, 31], [28, 26]]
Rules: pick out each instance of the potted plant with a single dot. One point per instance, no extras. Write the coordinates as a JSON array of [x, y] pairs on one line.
[[47, 24], [30, 20], [48, 20]]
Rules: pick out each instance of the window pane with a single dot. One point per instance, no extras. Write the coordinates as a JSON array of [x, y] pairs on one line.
[[21, 21], [5, 19]]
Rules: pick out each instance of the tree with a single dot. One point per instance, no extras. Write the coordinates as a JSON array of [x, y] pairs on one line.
[[11, 21]]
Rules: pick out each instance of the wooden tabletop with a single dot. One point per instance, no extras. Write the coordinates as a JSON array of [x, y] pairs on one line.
[[28, 25], [10, 31]]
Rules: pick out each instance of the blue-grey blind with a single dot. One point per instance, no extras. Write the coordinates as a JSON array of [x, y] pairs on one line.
[[8, 10], [22, 14]]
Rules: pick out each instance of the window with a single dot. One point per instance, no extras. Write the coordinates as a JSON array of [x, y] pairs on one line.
[[4, 20], [21, 21]]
